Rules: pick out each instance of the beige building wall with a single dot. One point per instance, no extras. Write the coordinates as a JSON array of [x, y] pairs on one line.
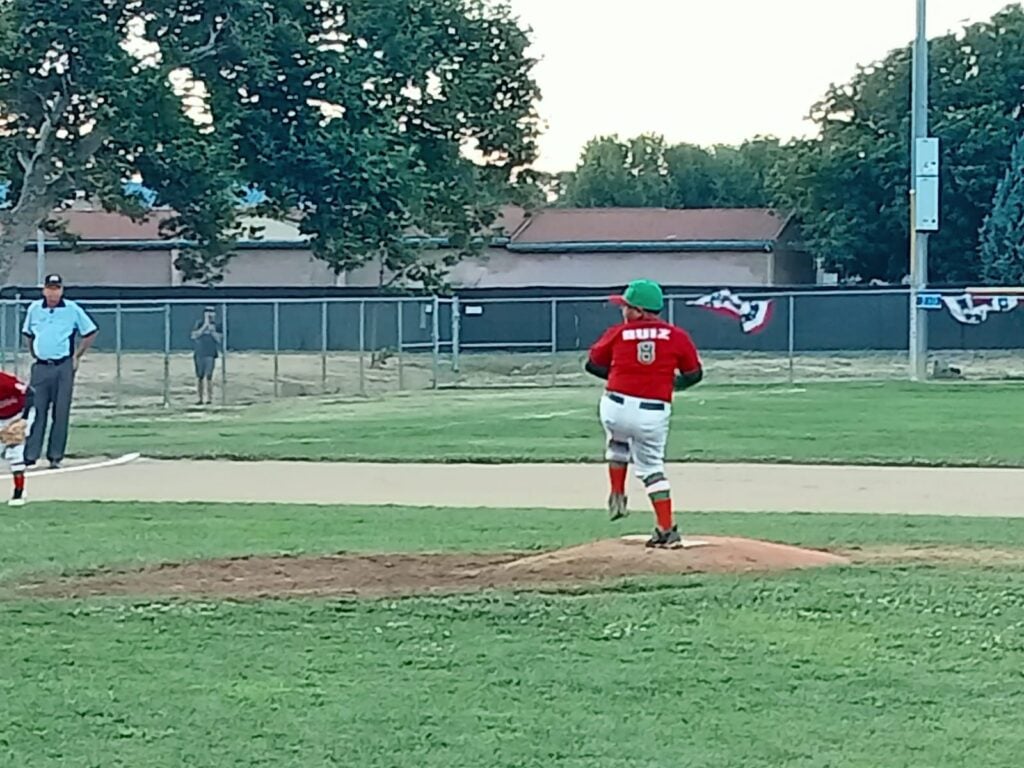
[[495, 269], [287, 268], [504, 269], [277, 267], [98, 267]]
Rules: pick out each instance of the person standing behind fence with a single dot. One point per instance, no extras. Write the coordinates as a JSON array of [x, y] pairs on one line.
[[53, 327], [206, 340]]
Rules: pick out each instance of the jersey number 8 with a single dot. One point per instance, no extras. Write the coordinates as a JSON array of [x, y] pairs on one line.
[[646, 352]]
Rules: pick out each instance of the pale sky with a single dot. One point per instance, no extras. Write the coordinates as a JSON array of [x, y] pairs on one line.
[[707, 71]]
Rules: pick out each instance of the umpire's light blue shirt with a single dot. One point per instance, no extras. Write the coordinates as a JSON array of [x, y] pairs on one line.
[[54, 329]]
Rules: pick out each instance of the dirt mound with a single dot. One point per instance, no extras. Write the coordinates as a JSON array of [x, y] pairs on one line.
[[704, 554], [406, 574]]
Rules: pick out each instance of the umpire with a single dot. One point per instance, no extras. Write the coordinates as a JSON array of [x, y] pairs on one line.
[[53, 327]]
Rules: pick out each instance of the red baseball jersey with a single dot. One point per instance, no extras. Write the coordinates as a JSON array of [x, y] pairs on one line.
[[644, 357], [12, 396]]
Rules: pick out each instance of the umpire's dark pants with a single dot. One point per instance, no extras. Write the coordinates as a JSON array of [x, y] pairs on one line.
[[53, 384]]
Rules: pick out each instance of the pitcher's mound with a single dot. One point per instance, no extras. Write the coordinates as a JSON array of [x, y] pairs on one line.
[[407, 574], [703, 554]]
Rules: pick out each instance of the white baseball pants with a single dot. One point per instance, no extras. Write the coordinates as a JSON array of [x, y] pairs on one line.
[[637, 431], [15, 454]]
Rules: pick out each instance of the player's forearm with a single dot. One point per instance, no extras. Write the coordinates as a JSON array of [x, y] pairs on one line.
[[86, 342], [600, 371], [30, 401], [686, 380]]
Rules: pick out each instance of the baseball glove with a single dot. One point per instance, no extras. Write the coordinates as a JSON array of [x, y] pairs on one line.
[[13, 433]]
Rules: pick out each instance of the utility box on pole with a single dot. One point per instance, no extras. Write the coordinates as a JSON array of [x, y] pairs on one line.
[[926, 184]]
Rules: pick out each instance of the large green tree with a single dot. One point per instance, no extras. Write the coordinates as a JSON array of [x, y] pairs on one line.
[[356, 117], [647, 172], [850, 184], [1002, 236]]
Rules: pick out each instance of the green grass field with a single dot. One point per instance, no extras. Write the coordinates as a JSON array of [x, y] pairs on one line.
[[884, 423], [848, 667], [65, 537], [854, 667]]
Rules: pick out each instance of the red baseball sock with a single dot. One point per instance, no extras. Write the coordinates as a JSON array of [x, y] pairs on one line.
[[19, 481], [663, 512], [617, 476], [660, 493]]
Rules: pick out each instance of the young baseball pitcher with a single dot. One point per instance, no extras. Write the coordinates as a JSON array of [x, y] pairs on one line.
[[645, 360], [17, 413]]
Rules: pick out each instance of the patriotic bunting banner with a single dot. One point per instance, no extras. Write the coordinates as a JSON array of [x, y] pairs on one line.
[[971, 309], [753, 315]]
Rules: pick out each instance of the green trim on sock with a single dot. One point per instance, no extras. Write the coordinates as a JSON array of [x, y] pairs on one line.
[[660, 495]]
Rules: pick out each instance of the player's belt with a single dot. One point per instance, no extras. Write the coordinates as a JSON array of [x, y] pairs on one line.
[[54, 362], [645, 405]]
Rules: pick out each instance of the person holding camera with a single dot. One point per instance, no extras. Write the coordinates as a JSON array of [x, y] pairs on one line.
[[206, 341]]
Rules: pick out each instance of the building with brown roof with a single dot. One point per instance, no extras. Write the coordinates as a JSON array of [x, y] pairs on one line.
[[549, 247], [610, 246]]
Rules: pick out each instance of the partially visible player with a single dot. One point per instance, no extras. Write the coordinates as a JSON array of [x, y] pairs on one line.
[[645, 360], [17, 413]]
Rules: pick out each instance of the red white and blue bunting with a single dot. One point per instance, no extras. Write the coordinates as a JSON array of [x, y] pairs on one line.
[[973, 308], [753, 315]]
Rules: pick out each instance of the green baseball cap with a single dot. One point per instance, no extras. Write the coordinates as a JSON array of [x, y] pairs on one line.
[[642, 294]]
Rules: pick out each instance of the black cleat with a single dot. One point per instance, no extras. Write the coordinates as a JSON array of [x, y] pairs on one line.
[[617, 506], [665, 539]]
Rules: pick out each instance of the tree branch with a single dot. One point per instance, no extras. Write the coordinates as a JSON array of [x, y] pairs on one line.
[[210, 47], [90, 144], [40, 151]]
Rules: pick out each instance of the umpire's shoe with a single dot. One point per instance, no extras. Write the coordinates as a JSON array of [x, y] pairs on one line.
[[665, 539], [617, 506]]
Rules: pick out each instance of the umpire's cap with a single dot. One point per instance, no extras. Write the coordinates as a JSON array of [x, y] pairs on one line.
[[641, 294]]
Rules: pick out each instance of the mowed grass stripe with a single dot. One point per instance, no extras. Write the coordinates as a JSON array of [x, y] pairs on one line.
[[856, 423], [68, 537]]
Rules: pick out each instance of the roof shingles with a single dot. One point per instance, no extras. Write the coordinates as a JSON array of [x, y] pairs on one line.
[[626, 225]]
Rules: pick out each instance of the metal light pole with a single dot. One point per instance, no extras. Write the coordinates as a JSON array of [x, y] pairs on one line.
[[40, 256], [924, 197]]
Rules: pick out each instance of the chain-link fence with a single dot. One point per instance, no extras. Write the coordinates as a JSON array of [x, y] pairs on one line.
[[289, 347]]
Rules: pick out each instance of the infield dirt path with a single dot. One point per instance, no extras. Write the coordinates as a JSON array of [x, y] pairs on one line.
[[710, 487]]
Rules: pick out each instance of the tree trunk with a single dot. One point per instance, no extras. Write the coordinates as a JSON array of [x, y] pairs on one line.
[[17, 229], [18, 225]]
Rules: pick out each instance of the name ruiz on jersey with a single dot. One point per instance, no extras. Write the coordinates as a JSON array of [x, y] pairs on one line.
[[646, 334]]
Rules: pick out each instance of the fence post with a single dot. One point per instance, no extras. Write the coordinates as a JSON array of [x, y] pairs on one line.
[[792, 336], [118, 319], [554, 342], [3, 336], [277, 348], [323, 346], [224, 358], [456, 330], [362, 347], [400, 340], [436, 334], [554, 326], [671, 311], [167, 355], [17, 333]]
